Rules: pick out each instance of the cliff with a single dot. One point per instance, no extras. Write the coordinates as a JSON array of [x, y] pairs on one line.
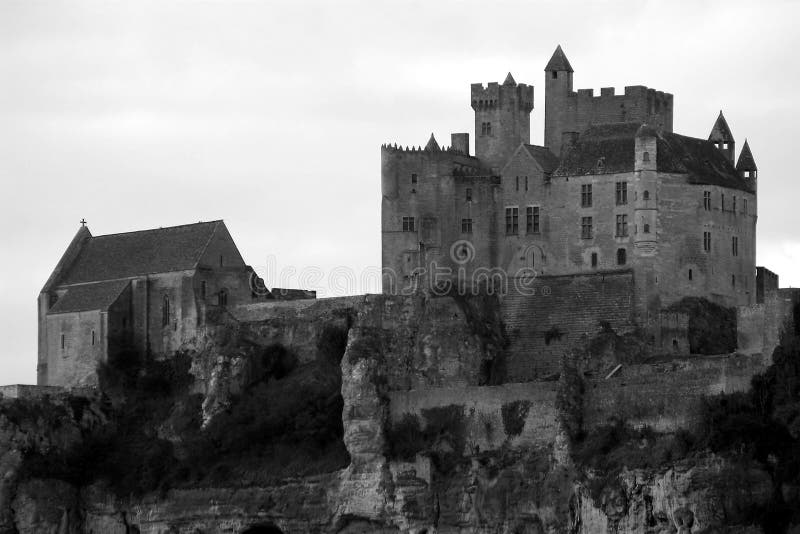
[[394, 414]]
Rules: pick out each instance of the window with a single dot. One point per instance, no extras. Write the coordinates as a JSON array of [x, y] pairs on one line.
[[221, 262], [622, 193], [707, 241], [165, 311], [554, 74], [486, 128], [646, 195], [586, 195], [512, 220], [532, 220], [723, 202], [622, 256], [517, 183], [724, 146], [690, 274], [646, 229], [93, 337], [466, 226], [747, 174], [526, 183], [734, 203], [586, 227], [203, 289], [646, 157], [707, 200], [469, 194], [622, 225], [548, 178], [63, 341], [222, 297], [735, 245], [744, 206], [594, 259], [408, 224], [733, 280]]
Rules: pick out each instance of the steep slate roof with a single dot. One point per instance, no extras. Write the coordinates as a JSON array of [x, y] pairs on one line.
[[89, 297], [108, 257], [602, 149], [546, 159], [559, 61], [610, 148], [509, 80], [721, 131], [746, 161], [432, 144]]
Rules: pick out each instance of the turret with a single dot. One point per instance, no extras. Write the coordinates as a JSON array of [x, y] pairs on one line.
[[746, 166], [722, 137], [502, 119], [557, 88]]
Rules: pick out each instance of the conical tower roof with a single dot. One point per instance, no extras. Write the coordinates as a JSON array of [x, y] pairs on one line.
[[746, 161], [721, 131], [509, 80], [432, 144], [559, 61]]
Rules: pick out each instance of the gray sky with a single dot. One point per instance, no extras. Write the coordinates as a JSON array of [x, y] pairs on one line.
[[270, 115]]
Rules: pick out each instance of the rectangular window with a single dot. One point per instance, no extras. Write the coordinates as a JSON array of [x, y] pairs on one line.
[[413, 178], [517, 183], [586, 195], [512, 220], [486, 128], [707, 241], [744, 206], [469, 194], [532, 220], [735, 246], [63, 341], [586, 227], [622, 193], [466, 226], [707, 200], [93, 337], [622, 225], [722, 203], [594, 259], [526, 183], [409, 224], [734, 203]]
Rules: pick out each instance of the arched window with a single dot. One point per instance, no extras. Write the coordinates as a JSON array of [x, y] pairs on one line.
[[646, 157], [646, 195], [222, 297], [165, 311], [622, 256]]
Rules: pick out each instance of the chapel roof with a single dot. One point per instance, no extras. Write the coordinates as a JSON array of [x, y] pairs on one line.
[[89, 297], [124, 255]]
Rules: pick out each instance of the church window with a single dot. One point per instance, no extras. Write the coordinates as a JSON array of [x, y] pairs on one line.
[[512, 220], [222, 297], [594, 259], [413, 178], [622, 226], [586, 227], [646, 157], [409, 224], [165, 311], [622, 193], [586, 195], [622, 256], [707, 200], [707, 241], [532, 220], [466, 226]]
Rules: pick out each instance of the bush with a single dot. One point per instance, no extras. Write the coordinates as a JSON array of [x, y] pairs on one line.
[[514, 414], [712, 328]]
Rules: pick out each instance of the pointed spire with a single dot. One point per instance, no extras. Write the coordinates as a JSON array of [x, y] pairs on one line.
[[559, 61], [746, 161], [432, 144], [721, 131], [509, 80]]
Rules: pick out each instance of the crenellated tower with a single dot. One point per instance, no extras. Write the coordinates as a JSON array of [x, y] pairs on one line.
[[722, 137], [502, 119]]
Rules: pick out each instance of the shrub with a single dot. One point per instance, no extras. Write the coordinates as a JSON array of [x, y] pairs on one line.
[[712, 328], [514, 414]]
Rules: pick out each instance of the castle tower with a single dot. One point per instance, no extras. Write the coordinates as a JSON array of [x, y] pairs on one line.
[[557, 88], [746, 167], [722, 137], [502, 119]]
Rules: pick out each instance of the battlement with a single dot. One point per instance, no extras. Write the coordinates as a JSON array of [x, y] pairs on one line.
[[395, 148], [658, 101], [493, 95]]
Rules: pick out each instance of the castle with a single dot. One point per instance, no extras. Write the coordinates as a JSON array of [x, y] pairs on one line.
[[613, 194]]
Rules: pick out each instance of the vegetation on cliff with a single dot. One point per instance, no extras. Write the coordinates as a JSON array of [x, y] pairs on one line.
[[712, 328]]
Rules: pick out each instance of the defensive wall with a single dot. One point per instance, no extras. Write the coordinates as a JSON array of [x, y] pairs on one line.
[[759, 326]]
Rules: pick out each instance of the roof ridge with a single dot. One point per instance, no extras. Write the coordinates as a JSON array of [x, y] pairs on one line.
[[159, 229]]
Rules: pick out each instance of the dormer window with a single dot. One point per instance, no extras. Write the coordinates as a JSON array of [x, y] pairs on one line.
[[747, 174], [724, 146]]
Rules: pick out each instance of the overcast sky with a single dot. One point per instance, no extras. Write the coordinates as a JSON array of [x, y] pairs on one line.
[[270, 115]]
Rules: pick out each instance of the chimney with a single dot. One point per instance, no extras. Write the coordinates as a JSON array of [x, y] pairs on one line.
[[460, 142]]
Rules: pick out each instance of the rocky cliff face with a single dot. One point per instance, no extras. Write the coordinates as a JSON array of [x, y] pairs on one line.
[[433, 440]]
